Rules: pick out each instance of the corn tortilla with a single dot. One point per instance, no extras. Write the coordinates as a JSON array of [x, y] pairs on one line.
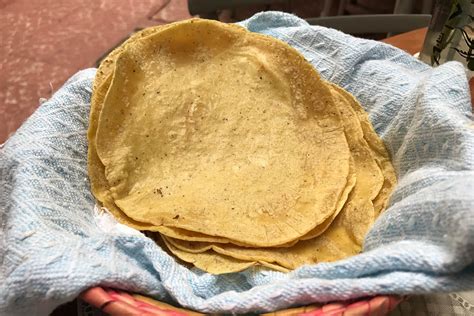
[[291, 110], [210, 262], [100, 186]]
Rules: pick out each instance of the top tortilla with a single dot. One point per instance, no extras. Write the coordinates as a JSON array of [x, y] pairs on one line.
[[238, 111], [100, 186]]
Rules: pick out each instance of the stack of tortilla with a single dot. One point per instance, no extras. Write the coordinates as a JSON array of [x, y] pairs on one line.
[[231, 151]]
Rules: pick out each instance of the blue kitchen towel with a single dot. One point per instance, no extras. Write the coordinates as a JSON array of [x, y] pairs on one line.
[[53, 246]]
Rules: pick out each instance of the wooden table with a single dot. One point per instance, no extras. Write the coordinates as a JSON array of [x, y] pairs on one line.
[[412, 42]]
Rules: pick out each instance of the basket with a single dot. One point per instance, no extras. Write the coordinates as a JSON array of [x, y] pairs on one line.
[[116, 302]]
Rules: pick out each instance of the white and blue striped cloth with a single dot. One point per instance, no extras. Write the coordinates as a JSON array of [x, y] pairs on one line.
[[52, 246]]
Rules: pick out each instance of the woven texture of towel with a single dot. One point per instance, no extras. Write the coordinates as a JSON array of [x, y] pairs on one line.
[[53, 246]]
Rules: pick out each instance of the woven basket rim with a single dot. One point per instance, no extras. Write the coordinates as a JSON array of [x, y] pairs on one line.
[[119, 302]]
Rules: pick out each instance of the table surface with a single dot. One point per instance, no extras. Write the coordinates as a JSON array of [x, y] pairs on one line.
[[412, 42]]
